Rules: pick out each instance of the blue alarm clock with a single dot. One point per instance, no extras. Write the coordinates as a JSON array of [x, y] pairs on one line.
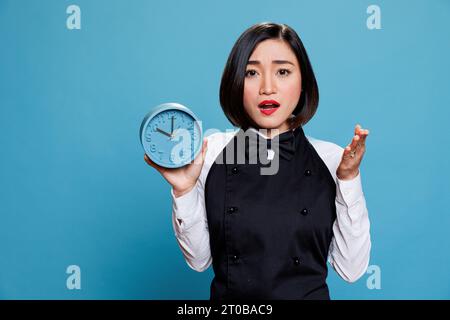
[[171, 135]]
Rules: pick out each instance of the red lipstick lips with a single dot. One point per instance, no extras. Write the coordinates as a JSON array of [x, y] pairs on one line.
[[268, 107]]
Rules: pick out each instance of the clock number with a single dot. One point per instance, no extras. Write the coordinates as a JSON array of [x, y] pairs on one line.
[[153, 148]]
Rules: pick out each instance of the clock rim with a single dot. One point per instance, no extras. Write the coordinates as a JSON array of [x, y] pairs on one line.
[[158, 110]]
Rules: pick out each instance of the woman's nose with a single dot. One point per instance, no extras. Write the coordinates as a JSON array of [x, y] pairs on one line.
[[267, 86]]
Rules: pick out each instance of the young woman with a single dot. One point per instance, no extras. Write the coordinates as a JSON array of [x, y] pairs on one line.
[[271, 236]]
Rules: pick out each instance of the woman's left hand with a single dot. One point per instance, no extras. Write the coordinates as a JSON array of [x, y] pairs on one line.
[[353, 154]]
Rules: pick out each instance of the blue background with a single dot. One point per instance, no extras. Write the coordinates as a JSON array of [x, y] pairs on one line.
[[74, 188]]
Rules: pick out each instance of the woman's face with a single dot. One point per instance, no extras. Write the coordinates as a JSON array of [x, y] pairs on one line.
[[272, 73]]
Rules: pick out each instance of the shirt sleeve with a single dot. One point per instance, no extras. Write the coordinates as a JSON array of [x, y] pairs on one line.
[[189, 217], [191, 227], [349, 251]]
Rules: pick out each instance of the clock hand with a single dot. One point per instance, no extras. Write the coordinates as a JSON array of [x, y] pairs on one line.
[[163, 132], [171, 128]]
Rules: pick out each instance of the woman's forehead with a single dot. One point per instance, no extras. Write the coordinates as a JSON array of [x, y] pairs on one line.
[[272, 51]]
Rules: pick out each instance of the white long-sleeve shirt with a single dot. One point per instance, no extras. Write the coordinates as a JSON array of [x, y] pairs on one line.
[[349, 251]]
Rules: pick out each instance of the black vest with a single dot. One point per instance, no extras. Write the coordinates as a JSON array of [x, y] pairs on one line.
[[270, 234]]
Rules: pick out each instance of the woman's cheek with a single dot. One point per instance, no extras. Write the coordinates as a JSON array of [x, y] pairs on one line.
[[292, 93], [249, 95]]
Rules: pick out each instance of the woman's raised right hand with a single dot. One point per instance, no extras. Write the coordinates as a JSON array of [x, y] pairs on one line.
[[182, 179]]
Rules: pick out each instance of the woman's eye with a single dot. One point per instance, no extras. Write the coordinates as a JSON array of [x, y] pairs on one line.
[[284, 72], [250, 73]]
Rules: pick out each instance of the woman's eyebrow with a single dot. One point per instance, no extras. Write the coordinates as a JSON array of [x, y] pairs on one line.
[[253, 62]]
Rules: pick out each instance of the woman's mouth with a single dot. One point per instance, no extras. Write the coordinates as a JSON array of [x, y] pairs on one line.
[[268, 107]]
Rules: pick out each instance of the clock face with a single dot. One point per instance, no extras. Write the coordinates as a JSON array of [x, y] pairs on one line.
[[171, 137]]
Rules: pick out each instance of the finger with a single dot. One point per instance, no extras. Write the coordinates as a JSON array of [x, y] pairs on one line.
[[357, 129], [347, 150], [360, 131], [147, 159], [351, 149], [205, 148], [363, 137], [201, 157], [152, 164], [355, 141]]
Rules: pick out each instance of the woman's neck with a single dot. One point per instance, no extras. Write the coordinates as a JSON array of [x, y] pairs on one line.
[[286, 126], [272, 132]]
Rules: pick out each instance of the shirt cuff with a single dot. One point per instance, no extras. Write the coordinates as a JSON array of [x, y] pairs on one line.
[[349, 191], [184, 205]]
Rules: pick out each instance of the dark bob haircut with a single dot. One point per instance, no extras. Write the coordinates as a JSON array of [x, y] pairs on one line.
[[232, 84]]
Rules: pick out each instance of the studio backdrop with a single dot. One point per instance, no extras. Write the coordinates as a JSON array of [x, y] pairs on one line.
[[82, 216]]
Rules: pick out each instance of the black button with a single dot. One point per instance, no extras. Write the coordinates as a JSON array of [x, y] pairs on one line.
[[235, 258], [296, 261], [304, 211], [308, 172], [232, 209], [234, 170]]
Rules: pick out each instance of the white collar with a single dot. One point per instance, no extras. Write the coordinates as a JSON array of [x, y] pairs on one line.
[[263, 135], [266, 137]]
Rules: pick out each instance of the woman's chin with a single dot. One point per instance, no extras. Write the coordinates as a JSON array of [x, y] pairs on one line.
[[276, 120], [269, 123]]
